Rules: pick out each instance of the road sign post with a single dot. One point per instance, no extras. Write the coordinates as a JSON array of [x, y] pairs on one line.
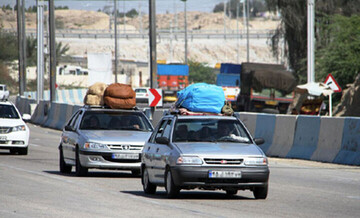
[[331, 82], [155, 97]]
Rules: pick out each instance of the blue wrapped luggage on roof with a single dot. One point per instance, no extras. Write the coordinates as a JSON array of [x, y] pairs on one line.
[[201, 97]]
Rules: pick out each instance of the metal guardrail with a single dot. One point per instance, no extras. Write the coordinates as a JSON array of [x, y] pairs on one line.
[[161, 34]]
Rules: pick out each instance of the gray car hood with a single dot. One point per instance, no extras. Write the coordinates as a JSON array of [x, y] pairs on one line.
[[219, 149], [116, 137]]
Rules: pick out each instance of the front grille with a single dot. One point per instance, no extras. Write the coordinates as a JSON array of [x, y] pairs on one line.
[[4, 142], [126, 147], [109, 158], [219, 161], [4, 129]]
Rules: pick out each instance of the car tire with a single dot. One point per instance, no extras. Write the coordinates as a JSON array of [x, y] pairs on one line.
[[260, 192], [148, 187], [135, 172], [79, 170], [64, 168], [231, 192], [172, 190], [22, 151]]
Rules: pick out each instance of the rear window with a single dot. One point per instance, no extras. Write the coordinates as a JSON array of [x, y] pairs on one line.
[[114, 120], [209, 130], [9, 112]]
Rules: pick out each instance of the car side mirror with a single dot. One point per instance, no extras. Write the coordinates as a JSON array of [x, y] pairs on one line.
[[162, 140], [259, 141], [26, 117], [69, 128]]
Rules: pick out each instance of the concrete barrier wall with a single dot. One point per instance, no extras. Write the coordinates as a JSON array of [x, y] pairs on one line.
[[330, 138], [249, 119], [283, 136], [68, 96], [350, 145], [306, 137]]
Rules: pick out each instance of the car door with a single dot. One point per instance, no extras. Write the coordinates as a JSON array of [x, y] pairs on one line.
[[160, 151], [149, 150], [69, 138]]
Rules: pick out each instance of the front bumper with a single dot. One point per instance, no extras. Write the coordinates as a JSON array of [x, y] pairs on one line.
[[198, 177], [104, 160], [14, 140]]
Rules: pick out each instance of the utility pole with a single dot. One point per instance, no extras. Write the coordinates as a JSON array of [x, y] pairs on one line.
[[21, 45], [115, 29], [237, 33], [40, 51], [224, 19], [185, 30], [152, 45], [52, 51], [247, 32], [310, 41]]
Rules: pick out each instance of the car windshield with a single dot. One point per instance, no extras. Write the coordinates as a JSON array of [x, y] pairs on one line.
[[9, 112], [114, 120], [140, 90], [210, 130]]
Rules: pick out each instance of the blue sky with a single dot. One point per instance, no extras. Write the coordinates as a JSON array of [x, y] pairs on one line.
[[162, 6]]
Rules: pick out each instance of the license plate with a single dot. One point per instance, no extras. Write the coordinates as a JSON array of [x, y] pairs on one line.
[[3, 138], [271, 102], [224, 174], [125, 156]]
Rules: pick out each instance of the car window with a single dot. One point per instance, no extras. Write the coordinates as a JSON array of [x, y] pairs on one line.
[[75, 119], [140, 90], [115, 120], [8, 112], [72, 118], [161, 129], [213, 130], [167, 130]]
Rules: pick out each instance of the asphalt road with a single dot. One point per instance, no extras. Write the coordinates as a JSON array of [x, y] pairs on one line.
[[31, 186]]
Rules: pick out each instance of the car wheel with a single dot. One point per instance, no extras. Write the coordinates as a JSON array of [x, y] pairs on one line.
[[64, 168], [23, 151], [79, 170], [231, 192], [135, 172], [148, 187], [260, 192], [171, 189]]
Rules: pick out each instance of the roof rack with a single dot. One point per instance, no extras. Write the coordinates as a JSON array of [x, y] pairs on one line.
[[107, 107]]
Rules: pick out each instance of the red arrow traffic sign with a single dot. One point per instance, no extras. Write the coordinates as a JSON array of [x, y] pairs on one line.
[[331, 82], [155, 96]]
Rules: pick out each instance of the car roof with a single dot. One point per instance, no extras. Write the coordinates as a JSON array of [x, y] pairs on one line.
[[6, 103], [218, 117]]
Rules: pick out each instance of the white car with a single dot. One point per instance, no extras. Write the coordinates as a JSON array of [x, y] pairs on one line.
[[142, 95], [14, 133]]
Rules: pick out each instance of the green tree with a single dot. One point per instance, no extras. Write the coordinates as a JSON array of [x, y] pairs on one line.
[[201, 73], [8, 46], [340, 53], [294, 27]]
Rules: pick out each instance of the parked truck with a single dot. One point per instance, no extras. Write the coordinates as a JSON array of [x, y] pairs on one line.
[[263, 87], [229, 80], [172, 78]]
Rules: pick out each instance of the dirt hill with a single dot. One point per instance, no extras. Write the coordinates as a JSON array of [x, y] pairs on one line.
[[80, 19]]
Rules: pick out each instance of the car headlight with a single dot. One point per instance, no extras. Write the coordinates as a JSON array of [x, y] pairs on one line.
[[256, 161], [18, 128], [94, 145], [189, 160]]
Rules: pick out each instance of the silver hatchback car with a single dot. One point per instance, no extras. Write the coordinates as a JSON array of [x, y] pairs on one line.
[[103, 138], [205, 152]]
